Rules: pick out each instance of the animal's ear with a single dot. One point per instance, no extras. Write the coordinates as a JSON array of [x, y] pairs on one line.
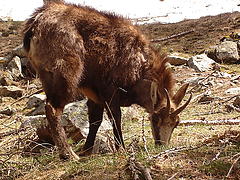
[[178, 97]]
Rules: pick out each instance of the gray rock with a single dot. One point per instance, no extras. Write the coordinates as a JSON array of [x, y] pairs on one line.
[[34, 121], [233, 91], [36, 100], [227, 52], [176, 59], [201, 63], [15, 67], [39, 110], [11, 91], [77, 114]]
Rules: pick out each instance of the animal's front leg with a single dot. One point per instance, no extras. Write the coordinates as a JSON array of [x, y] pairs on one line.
[[114, 113], [58, 133], [95, 115]]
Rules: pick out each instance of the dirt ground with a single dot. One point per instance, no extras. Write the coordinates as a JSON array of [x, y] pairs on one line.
[[216, 147]]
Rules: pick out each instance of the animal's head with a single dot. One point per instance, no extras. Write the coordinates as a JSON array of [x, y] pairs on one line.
[[165, 115]]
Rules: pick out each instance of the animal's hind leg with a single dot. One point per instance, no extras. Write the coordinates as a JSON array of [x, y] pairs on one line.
[[58, 133], [55, 87], [95, 115]]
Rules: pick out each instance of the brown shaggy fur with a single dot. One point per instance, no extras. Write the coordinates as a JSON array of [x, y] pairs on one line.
[[78, 49]]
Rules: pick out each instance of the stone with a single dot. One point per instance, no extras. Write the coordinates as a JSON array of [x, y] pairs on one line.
[[11, 91], [8, 111], [15, 67], [34, 121], [233, 91], [236, 102], [39, 110], [227, 52], [201, 63], [176, 59], [76, 113], [36, 100], [206, 99]]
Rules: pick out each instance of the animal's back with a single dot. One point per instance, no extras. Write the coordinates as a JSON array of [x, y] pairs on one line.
[[70, 39]]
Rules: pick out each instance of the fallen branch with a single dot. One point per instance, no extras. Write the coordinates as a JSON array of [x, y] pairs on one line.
[[212, 122], [172, 36]]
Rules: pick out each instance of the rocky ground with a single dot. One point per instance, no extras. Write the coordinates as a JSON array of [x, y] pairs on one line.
[[198, 151]]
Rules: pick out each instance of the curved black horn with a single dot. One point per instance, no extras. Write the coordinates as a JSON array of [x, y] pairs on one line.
[[168, 101], [181, 108]]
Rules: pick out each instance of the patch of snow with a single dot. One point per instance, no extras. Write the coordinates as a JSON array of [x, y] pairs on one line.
[[167, 11]]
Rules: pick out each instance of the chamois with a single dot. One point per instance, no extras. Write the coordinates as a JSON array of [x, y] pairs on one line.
[[77, 50]]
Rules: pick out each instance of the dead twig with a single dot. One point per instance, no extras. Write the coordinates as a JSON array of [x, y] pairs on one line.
[[172, 36], [234, 163]]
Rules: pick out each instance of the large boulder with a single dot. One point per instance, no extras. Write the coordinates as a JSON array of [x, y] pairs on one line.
[[201, 63], [227, 52]]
